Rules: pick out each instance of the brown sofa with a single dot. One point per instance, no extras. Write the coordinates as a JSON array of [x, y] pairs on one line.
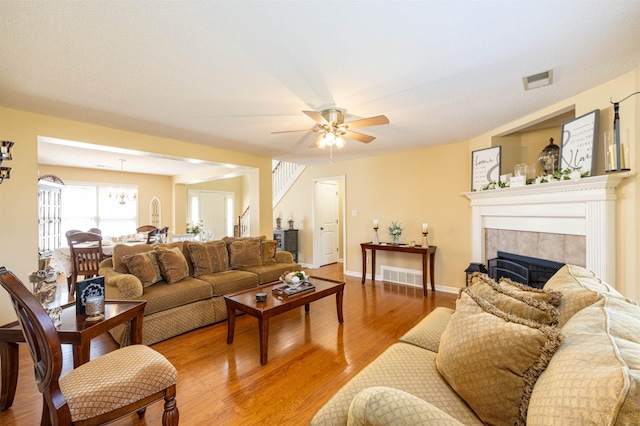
[[183, 282], [507, 356]]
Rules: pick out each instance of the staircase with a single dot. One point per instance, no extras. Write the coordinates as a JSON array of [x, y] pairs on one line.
[[244, 221], [284, 174]]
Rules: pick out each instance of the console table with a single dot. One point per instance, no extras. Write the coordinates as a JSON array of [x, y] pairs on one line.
[[402, 248]]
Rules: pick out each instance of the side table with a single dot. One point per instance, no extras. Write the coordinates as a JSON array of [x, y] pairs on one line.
[[426, 252], [74, 329]]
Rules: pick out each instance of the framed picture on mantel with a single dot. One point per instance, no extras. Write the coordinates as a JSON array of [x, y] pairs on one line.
[[485, 167], [579, 140]]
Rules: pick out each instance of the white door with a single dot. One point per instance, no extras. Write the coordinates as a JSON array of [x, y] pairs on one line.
[[327, 221]]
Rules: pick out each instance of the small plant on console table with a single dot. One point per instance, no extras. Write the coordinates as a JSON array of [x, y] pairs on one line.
[[395, 230]]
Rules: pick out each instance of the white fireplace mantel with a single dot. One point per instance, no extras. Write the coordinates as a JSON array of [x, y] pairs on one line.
[[584, 207]]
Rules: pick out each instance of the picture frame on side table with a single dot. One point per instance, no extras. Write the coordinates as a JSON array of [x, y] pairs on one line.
[[485, 167], [89, 287], [579, 140]]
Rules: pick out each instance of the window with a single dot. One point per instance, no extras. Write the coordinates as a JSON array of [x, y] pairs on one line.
[[87, 206]]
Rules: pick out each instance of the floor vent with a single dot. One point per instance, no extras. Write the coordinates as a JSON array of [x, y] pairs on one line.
[[410, 277]]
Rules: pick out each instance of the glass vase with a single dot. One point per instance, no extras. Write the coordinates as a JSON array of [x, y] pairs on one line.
[[395, 239], [45, 292]]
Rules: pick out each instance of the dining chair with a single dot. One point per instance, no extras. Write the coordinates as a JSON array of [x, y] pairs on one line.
[[145, 228], [163, 235], [95, 231], [104, 389], [86, 254], [152, 236]]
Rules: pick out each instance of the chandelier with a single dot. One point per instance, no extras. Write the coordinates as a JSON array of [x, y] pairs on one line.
[[122, 196]]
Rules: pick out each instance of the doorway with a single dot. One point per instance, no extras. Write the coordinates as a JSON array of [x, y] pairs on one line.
[[328, 229], [213, 210]]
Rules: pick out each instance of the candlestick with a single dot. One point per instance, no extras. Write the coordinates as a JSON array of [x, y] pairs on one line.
[[375, 223], [425, 239], [425, 227], [375, 238]]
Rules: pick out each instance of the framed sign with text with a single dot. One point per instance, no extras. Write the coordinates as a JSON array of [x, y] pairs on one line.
[[485, 167], [579, 140]]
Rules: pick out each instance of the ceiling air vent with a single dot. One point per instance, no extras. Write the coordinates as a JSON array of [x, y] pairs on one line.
[[538, 80]]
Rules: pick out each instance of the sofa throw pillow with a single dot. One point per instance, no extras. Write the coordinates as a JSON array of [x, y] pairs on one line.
[[245, 252], [269, 251], [208, 258], [492, 359], [515, 303], [544, 295], [144, 266], [173, 264]]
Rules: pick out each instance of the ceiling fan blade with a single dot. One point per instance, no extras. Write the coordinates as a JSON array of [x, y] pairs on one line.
[[315, 142], [366, 122], [316, 116], [358, 136], [293, 131]]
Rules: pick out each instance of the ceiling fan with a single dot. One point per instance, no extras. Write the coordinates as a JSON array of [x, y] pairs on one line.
[[332, 128]]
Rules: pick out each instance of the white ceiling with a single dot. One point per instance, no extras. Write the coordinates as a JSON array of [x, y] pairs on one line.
[[228, 73]]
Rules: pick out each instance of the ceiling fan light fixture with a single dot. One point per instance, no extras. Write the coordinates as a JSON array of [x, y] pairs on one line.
[[339, 142], [329, 139]]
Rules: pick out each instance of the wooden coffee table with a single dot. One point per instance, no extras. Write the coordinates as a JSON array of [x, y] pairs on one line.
[[74, 329], [245, 301]]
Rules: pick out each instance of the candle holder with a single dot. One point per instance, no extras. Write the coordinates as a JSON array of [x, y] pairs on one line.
[[425, 239], [616, 150], [375, 239]]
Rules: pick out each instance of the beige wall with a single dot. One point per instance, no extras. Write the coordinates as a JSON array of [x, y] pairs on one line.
[[19, 195], [411, 187]]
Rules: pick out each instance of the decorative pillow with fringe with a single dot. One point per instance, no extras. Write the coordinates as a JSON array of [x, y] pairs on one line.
[[550, 296], [512, 302], [493, 359]]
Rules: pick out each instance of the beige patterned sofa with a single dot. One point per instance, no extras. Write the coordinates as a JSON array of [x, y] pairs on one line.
[[567, 354], [183, 282]]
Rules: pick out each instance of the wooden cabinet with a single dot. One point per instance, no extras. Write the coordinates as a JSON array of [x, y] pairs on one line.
[[287, 240]]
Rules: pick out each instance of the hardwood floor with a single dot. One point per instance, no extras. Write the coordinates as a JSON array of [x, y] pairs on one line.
[[311, 356]]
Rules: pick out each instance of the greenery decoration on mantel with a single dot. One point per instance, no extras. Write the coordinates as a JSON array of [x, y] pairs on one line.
[[557, 176]]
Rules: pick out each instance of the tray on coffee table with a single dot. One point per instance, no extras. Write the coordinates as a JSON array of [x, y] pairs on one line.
[[287, 290]]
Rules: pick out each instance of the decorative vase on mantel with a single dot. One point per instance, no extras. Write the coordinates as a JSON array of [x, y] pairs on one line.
[[395, 239]]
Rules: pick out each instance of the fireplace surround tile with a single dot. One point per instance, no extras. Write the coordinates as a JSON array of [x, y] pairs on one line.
[[527, 243], [575, 249], [556, 247], [552, 246]]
